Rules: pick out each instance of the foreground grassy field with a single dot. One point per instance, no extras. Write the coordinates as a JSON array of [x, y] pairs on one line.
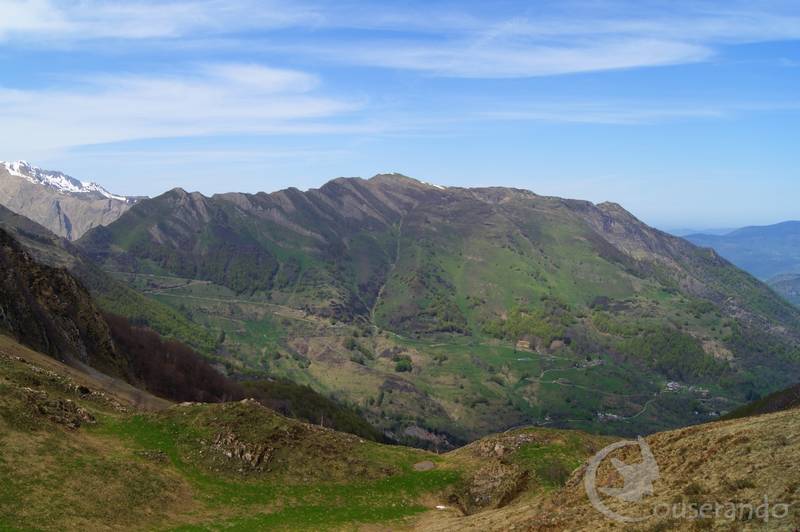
[[76, 454], [81, 452]]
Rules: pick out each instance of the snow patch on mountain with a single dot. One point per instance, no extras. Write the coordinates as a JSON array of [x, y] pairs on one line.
[[58, 181], [434, 185]]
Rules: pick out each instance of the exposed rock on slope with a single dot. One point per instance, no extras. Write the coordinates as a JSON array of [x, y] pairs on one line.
[[48, 310], [111, 295], [63, 204]]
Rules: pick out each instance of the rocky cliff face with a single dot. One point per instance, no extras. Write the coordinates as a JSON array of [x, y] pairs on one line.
[[62, 204], [48, 310]]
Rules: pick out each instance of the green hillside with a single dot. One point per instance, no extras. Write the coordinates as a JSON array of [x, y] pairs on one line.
[[775, 402], [48, 309], [109, 294], [86, 452], [73, 452], [447, 314], [788, 286]]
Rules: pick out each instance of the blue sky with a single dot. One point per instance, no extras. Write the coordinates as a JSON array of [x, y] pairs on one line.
[[686, 113]]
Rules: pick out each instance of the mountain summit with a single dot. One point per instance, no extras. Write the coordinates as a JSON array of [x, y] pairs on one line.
[[65, 205], [59, 181]]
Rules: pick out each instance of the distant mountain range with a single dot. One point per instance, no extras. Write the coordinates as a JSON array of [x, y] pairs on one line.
[[771, 253], [683, 232], [764, 251], [66, 206]]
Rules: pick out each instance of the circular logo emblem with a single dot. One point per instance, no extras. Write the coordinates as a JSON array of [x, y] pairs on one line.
[[638, 479]]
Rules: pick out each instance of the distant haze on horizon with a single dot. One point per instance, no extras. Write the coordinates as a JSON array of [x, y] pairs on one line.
[[685, 113]]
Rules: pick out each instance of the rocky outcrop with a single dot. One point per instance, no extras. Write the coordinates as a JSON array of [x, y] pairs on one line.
[[492, 486], [48, 310], [60, 411], [253, 457]]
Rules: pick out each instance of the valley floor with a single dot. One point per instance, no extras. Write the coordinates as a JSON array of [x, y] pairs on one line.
[[461, 388]]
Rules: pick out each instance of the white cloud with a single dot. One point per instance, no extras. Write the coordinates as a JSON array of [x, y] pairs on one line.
[[459, 39], [29, 16], [263, 78], [628, 112], [564, 37], [614, 113], [49, 21], [510, 60], [214, 99]]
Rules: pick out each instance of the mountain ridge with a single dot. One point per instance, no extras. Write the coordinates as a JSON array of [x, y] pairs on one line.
[[65, 205], [429, 294], [764, 251], [59, 181]]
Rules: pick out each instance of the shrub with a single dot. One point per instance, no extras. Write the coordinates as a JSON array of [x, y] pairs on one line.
[[403, 365]]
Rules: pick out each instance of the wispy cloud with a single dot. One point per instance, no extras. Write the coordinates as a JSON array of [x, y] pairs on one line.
[[513, 60], [560, 37], [632, 112], [50, 21], [212, 99], [458, 39], [612, 113]]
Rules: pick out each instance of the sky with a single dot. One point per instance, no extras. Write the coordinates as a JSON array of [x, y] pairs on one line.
[[686, 113]]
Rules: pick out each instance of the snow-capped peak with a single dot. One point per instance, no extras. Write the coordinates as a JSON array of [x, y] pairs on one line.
[[58, 181]]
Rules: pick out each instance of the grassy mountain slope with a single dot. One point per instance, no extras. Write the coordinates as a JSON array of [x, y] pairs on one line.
[[327, 250], [787, 285], [774, 402], [451, 313], [172, 370], [47, 309], [730, 464], [764, 251], [74, 450], [110, 294]]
